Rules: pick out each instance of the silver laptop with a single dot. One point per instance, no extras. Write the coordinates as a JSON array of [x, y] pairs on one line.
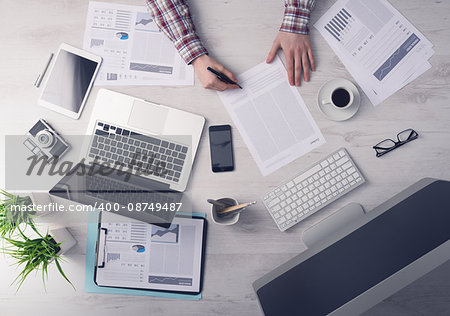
[[159, 142], [143, 154]]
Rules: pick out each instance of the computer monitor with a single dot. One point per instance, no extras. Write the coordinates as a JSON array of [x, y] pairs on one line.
[[351, 271]]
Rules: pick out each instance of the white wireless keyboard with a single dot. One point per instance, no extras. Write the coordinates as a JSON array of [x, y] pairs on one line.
[[313, 189]]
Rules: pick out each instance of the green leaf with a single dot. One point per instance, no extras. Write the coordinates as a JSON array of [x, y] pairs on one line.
[[62, 272], [29, 254]]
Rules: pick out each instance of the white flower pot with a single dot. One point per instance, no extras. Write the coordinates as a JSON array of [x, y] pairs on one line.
[[64, 236]]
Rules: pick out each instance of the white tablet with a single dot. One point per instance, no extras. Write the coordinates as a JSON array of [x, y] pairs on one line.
[[69, 81]]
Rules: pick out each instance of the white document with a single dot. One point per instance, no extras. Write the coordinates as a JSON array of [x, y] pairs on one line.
[[380, 48], [271, 117], [134, 50], [143, 256]]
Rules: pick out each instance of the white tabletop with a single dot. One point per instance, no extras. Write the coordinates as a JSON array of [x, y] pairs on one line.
[[239, 34]]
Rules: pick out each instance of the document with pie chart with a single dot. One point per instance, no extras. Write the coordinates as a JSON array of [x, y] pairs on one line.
[[143, 256], [134, 50]]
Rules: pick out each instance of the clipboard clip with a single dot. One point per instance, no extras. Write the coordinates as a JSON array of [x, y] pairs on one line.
[[101, 248]]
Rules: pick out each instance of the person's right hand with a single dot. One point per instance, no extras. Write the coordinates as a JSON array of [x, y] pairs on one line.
[[207, 78]]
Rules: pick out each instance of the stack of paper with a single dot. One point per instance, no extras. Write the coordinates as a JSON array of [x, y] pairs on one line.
[[380, 48], [134, 50]]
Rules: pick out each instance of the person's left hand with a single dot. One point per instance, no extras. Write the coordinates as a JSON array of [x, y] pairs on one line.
[[298, 53]]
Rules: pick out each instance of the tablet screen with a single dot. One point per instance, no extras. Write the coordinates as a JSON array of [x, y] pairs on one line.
[[69, 81]]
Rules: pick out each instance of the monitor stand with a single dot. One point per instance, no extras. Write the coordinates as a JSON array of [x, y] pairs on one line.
[[336, 222]]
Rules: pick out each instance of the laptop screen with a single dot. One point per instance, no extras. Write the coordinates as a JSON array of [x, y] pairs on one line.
[[116, 190]]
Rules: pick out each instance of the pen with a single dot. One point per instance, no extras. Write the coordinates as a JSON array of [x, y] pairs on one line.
[[234, 208], [41, 76], [222, 77]]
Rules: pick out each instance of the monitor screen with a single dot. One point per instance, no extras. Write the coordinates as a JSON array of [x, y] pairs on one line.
[[364, 258]]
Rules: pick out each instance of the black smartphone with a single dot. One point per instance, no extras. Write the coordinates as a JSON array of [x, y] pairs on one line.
[[221, 147]]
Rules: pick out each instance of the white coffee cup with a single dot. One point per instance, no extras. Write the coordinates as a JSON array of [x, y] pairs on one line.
[[340, 97]]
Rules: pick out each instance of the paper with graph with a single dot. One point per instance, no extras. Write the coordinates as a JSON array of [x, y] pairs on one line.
[[380, 48], [138, 255], [134, 50]]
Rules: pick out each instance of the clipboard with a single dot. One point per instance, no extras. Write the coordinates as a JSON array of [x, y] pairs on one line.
[[92, 260]]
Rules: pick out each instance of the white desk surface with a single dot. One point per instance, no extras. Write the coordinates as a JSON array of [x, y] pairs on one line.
[[239, 34]]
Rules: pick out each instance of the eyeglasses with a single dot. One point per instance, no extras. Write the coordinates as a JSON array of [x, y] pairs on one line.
[[388, 144]]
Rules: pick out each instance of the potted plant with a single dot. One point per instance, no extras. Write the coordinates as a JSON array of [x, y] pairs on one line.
[[31, 253], [12, 214], [34, 254]]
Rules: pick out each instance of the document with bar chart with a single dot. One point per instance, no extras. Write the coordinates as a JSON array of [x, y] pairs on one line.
[[380, 48], [134, 50], [133, 254]]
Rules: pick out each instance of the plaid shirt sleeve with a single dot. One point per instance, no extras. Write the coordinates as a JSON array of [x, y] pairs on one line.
[[296, 16], [174, 19]]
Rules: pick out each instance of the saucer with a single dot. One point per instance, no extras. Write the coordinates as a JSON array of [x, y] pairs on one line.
[[331, 111]]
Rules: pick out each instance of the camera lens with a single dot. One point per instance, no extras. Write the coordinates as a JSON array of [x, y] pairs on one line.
[[45, 138]]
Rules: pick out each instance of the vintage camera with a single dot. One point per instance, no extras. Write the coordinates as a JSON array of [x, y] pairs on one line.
[[45, 141]]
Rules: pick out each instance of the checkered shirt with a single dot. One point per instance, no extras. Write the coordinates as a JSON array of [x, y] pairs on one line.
[[174, 19]]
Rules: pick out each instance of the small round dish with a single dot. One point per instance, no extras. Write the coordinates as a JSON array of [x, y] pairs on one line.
[[328, 109], [225, 220]]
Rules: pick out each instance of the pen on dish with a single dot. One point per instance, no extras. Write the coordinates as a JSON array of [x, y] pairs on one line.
[[234, 209]]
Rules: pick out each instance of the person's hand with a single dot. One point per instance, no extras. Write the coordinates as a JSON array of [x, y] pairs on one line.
[[298, 53], [207, 78]]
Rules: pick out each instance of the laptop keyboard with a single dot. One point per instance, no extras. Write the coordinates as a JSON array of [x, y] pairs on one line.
[[149, 155]]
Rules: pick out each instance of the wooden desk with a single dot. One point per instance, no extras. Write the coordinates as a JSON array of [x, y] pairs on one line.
[[239, 34]]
